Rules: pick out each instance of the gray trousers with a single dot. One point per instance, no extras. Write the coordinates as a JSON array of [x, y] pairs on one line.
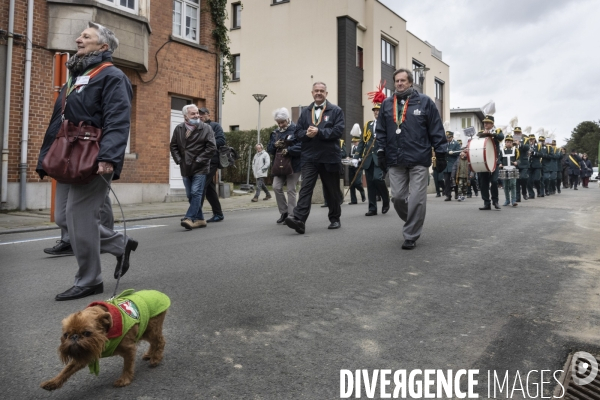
[[81, 219], [291, 181], [409, 195], [106, 216]]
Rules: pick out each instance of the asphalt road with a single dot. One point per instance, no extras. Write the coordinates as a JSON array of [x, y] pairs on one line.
[[260, 312]]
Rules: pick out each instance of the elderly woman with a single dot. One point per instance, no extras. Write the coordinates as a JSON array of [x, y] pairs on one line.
[[98, 94], [284, 141], [586, 170]]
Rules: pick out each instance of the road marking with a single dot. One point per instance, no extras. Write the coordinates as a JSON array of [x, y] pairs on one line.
[[133, 228]]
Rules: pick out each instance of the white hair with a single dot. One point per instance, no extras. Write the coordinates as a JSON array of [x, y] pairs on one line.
[[105, 36], [185, 108], [281, 114]]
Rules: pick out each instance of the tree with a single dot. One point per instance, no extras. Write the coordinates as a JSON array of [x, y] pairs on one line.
[[585, 138]]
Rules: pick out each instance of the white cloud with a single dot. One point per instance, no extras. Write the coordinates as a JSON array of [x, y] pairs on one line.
[[537, 59]]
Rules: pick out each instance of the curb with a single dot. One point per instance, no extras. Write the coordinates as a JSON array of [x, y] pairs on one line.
[[119, 220]]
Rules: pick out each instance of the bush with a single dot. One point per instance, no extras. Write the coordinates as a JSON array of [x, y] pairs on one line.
[[243, 142]]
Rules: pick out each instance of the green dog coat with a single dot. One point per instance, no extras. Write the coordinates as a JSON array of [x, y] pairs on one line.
[[128, 309]]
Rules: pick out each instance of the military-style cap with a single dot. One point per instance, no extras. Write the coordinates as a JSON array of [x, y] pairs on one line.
[[532, 136], [553, 141], [459, 141], [355, 138], [376, 106], [450, 134], [203, 110], [517, 129], [542, 139], [508, 137], [489, 118]]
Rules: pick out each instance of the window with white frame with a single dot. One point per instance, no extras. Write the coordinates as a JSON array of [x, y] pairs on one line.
[[125, 5], [466, 122], [388, 53], [186, 19], [235, 74]]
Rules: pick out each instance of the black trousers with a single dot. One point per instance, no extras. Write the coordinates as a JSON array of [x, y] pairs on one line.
[[210, 191], [376, 187], [357, 185], [448, 185], [488, 182], [436, 182], [330, 176]]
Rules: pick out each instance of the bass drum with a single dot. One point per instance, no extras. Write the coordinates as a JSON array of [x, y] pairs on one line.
[[482, 154]]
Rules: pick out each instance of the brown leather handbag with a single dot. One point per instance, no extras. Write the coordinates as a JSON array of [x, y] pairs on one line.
[[73, 156], [282, 165]]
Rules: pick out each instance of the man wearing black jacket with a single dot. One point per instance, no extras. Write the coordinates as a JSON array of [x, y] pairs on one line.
[[408, 126], [319, 130], [210, 190]]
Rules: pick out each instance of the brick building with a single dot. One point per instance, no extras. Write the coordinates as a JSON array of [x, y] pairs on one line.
[[167, 51]]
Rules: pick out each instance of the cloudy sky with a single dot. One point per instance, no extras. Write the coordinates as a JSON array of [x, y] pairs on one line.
[[537, 59]]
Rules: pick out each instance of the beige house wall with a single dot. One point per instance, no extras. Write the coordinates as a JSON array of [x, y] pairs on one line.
[[295, 44]]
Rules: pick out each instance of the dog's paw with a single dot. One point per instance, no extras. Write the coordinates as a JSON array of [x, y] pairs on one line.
[[50, 385], [122, 382]]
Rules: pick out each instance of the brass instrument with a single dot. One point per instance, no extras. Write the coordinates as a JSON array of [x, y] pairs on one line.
[[433, 157]]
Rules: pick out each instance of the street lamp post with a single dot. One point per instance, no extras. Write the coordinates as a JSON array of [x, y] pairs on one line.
[[259, 98]]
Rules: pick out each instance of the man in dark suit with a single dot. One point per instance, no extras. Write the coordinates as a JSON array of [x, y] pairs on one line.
[[367, 149], [354, 171], [319, 130], [452, 156]]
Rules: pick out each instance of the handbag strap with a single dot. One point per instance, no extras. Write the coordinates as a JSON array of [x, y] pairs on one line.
[[70, 86]]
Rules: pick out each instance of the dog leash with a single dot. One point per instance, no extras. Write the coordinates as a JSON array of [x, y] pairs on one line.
[[124, 236]]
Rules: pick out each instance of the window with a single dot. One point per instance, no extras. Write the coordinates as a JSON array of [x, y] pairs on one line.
[[235, 74], [177, 103], [186, 19], [236, 12], [439, 89], [125, 5], [388, 53], [387, 92], [359, 57], [233, 128], [419, 74], [466, 122]]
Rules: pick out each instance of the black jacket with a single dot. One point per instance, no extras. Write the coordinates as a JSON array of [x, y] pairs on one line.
[[293, 148], [194, 153], [105, 102], [325, 146], [219, 139], [575, 164], [421, 130]]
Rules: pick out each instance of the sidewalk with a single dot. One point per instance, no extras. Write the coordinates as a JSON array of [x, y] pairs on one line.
[[38, 220]]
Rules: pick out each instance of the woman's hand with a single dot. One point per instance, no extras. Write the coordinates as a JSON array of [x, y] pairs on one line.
[[104, 168]]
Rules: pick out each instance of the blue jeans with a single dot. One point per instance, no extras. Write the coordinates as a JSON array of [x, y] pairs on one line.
[[194, 187]]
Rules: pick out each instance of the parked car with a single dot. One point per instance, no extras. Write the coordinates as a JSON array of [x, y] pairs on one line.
[[594, 176]]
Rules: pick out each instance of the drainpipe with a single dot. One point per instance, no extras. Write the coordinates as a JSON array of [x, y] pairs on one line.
[[26, 98], [9, 51], [220, 108]]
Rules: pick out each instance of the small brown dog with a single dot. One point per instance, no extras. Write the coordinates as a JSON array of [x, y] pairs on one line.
[[111, 328]]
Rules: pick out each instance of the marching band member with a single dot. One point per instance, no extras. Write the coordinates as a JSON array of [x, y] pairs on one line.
[[522, 165], [367, 150], [559, 172], [547, 165], [508, 161], [451, 156], [535, 168], [488, 181]]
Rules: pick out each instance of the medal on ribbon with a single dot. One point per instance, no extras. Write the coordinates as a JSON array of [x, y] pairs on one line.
[[399, 116]]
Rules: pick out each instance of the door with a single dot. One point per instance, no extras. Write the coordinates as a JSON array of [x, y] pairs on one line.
[[175, 179]]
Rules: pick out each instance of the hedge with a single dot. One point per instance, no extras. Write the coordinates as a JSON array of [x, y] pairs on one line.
[[242, 142]]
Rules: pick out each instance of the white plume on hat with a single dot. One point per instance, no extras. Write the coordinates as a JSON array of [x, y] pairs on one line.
[[540, 132], [527, 130], [355, 130], [489, 108], [514, 121], [446, 125]]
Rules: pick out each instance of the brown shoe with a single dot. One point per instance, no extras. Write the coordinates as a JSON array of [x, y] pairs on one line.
[[254, 199], [199, 223], [187, 224], [267, 198]]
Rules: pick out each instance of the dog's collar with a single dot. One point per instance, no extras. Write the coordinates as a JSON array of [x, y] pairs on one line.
[[116, 329]]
